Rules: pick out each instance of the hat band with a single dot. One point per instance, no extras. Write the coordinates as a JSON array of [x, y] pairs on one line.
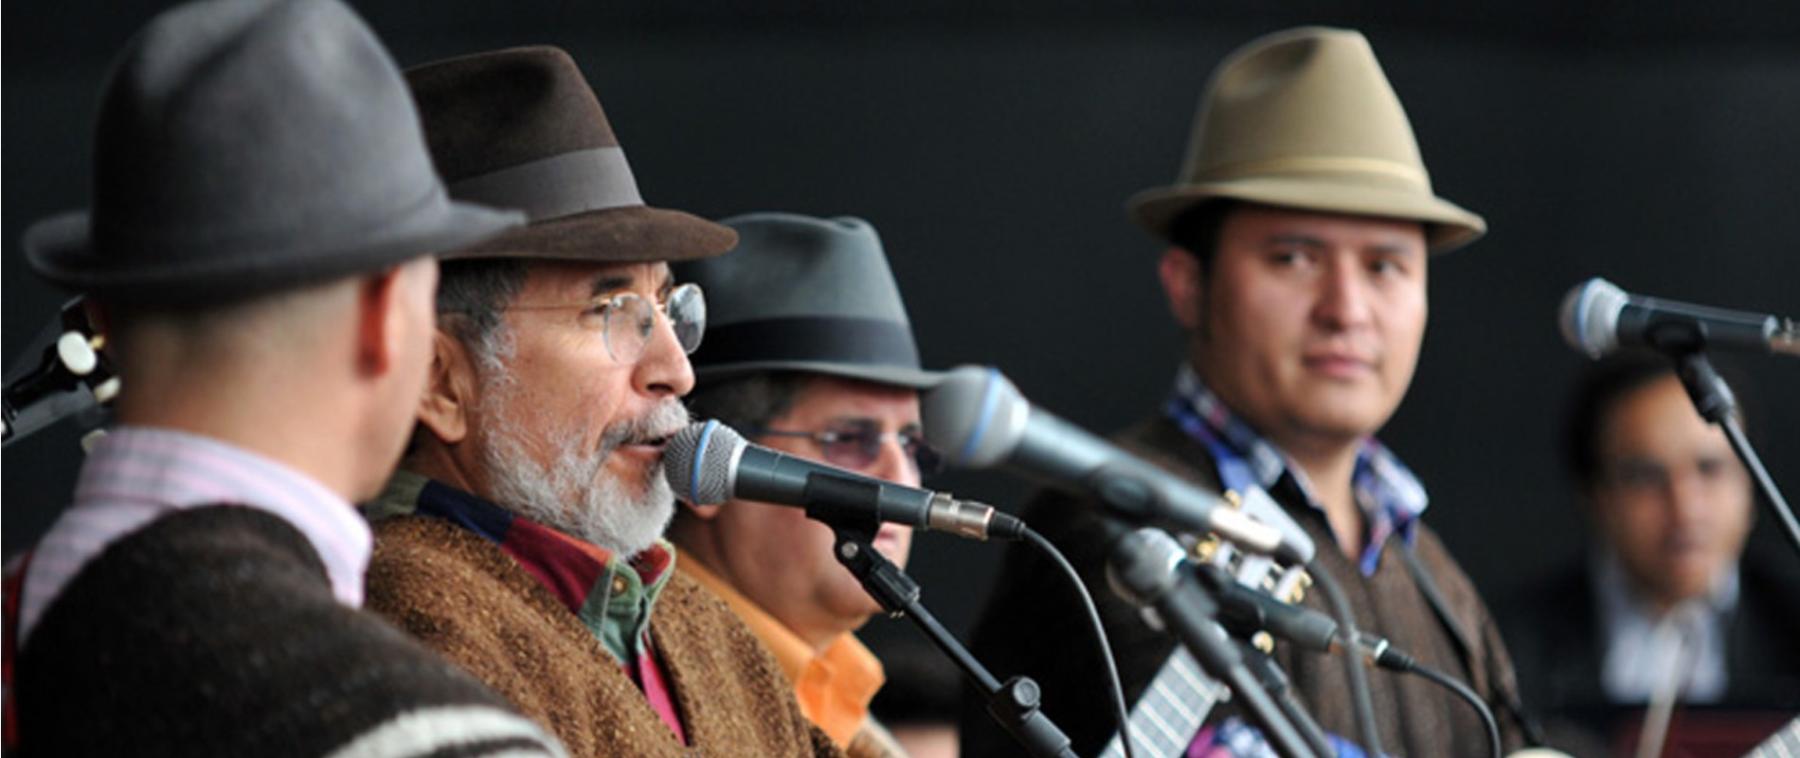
[[810, 339], [561, 185], [1321, 164]]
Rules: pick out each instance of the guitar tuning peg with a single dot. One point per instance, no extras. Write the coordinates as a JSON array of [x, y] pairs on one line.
[[89, 440], [107, 390], [76, 354]]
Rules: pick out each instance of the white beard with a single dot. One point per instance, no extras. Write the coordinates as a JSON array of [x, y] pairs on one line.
[[575, 495]]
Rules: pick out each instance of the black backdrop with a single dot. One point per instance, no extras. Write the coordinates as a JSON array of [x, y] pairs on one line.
[[994, 146]]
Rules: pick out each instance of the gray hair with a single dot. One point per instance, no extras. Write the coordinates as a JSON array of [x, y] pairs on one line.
[[471, 295]]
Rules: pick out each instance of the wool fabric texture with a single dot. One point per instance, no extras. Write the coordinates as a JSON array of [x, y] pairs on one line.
[[464, 597], [214, 631]]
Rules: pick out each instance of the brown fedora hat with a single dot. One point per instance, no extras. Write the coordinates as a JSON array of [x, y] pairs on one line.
[[1306, 119], [521, 128]]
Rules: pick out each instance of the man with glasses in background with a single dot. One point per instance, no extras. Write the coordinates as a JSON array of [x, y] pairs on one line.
[[522, 539], [811, 354]]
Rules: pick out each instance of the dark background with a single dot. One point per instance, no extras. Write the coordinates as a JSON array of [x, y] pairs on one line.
[[994, 145]]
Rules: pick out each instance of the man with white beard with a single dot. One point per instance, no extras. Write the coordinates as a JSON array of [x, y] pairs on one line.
[[522, 537]]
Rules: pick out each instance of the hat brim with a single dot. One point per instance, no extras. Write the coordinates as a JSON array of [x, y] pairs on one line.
[[1447, 226], [61, 249], [631, 234], [896, 376]]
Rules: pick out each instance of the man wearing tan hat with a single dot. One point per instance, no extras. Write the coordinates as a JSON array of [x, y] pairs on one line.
[[266, 296], [522, 537], [1301, 230]]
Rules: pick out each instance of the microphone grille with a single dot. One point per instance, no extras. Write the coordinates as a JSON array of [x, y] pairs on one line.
[[1590, 316], [973, 416], [697, 462]]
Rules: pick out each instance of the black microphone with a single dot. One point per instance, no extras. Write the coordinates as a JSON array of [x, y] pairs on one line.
[[1246, 610], [709, 463], [976, 418], [1598, 318]]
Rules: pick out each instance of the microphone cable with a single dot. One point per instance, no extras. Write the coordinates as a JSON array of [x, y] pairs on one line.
[[1114, 689], [1393, 659]]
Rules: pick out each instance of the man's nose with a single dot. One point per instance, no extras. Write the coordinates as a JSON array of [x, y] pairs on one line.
[[1343, 299], [664, 368]]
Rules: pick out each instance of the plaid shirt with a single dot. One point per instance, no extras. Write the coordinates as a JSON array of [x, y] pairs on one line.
[[1391, 498]]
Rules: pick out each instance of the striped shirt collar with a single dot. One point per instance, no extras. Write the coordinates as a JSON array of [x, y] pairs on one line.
[[137, 474], [1390, 496]]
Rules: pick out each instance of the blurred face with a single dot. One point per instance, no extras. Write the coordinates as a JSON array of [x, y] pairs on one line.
[[1309, 324], [782, 560], [1670, 496], [568, 435]]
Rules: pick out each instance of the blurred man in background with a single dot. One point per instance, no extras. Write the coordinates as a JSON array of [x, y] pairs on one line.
[[810, 353], [1664, 603]]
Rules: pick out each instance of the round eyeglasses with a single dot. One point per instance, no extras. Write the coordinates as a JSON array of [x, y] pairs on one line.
[[626, 320]]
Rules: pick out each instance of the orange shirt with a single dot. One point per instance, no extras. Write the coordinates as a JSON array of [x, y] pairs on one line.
[[834, 687]]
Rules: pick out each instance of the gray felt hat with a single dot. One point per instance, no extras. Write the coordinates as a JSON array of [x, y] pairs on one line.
[[246, 146], [804, 294]]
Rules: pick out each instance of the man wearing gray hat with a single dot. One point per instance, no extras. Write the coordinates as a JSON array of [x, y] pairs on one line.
[[258, 253], [1299, 235], [522, 537], [810, 353]]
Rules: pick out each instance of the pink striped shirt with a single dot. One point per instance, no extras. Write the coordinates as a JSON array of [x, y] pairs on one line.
[[137, 474]]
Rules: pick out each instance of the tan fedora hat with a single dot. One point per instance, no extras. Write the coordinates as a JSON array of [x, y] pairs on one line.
[[1305, 119]]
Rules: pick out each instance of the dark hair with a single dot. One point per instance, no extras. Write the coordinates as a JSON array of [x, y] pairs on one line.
[[1598, 393], [1196, 230], [750, 401]]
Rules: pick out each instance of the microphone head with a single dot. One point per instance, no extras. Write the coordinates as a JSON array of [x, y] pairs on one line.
[[974, 417], [1590, 316], [1142, 564], [697, 462]]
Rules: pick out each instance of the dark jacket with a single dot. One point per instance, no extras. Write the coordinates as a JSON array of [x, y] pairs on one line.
[[1554, 630], [214, 632], [466, 598], [1032, 626]]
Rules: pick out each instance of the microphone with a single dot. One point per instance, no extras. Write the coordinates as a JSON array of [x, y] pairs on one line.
[[976, 418], [1246, 610], [1597, 318], [709, 463]]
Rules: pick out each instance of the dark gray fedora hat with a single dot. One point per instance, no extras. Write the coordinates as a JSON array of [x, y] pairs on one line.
[[253, 145], [804, 294]]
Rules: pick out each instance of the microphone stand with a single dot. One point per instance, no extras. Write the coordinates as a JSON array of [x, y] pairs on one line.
[[1276, 682], [1149, 578], [848, 507], [1713, 398]]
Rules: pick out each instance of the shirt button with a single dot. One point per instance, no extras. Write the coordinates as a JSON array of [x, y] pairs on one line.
[[618, 585]]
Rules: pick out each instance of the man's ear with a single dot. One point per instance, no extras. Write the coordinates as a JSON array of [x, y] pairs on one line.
[[378, 331], [449, 389], [1180, 273]]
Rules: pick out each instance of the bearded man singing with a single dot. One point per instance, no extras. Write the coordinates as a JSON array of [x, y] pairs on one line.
[[522, 538]]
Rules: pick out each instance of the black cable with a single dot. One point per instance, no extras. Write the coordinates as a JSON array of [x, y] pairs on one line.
[[1353, 667], [1087, 603], [1463, 691]]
